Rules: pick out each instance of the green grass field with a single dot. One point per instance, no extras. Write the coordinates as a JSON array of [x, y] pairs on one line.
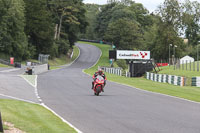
[[179, 72], [187, 92], [32, 118]]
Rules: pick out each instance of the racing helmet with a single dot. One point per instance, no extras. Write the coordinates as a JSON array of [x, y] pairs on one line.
[[100, 71]]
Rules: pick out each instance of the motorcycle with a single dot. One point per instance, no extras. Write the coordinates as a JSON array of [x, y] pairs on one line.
[[98, 85]]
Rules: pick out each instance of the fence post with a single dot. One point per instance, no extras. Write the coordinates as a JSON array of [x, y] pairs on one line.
[[1, 124], [194, 66], [186, 65]]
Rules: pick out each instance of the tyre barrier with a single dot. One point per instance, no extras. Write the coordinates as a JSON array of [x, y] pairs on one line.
[[112, 70], [164, 78], [195, 81]]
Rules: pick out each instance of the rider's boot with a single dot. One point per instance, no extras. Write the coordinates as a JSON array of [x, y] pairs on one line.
[[92, 85], [102, 89]]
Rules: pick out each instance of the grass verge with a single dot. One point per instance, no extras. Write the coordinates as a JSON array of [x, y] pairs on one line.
[[30, 78], [179, 72], [63, 60], [32, 118], [187, 92], [2, 65]]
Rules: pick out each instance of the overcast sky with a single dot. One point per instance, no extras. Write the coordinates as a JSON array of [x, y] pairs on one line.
[[151, 5]]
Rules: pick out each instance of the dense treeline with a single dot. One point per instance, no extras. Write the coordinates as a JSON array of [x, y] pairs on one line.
[[129, 25], [31, 27]]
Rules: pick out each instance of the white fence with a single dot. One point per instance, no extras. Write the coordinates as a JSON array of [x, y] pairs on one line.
[[112, 70]]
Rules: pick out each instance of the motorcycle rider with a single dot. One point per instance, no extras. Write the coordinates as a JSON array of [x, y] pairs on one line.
[[100, 73]]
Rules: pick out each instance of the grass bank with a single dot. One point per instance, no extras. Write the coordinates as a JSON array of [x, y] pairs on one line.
[[179, 72], [63, 60], [187, 92], [32, 118], [2, 65]]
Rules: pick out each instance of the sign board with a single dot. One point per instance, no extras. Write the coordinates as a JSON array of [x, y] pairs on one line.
[[11, 60], [112, 54], [128, 54]]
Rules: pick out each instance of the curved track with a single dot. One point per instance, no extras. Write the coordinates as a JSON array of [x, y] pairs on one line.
[[120, 109]]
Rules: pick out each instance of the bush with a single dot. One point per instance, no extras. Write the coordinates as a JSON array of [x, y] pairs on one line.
[[122, 64], [63, 46]]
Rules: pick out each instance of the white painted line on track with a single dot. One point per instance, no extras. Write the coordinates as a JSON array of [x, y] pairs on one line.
[[61, 118], [41, 103], [10, 70], [156, 93], [45, 106], [29, 81], [11, 97]]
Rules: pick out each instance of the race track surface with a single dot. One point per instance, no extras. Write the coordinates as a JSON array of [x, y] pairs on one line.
[[121, 109]]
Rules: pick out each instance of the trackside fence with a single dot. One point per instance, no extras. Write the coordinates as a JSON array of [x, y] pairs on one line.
[[112, 70], [164, 78]]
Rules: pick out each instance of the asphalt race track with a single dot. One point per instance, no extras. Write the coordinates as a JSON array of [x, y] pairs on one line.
[[120, 109]]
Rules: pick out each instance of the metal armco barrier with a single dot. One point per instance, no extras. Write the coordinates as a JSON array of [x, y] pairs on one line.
[[1, 124], [163, 78], [111, 70]]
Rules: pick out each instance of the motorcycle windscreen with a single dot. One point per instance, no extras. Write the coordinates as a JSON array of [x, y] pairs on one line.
[[100, 77]]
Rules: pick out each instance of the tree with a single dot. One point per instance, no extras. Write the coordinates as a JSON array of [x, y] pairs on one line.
[[170, 12], [165, 31], [124, 34], [91, 14], [191, 21], [141, 15], [125, 9], [12, 36], [69, 17], [39, 27], [103, 19]]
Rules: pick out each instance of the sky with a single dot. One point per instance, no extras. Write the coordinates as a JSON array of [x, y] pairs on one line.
[[151, 5]]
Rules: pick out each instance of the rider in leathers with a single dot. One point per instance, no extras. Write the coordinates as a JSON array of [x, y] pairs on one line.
[[99, 72]]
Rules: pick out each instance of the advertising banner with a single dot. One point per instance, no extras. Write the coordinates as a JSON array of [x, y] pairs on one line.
[[128, 54]]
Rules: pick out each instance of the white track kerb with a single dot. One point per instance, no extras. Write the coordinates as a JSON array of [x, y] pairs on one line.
[[15, 98], [142, 89]]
